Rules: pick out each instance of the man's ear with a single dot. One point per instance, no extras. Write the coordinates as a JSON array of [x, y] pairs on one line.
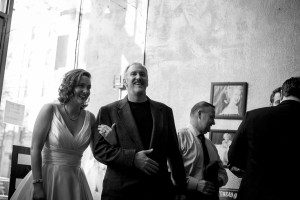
[[199, 114], [124, 82]]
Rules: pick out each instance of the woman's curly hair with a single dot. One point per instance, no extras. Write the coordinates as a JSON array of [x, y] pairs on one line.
[[69, 82]]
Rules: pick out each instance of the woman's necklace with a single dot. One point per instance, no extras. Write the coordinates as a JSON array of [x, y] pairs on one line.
[[69, 116]]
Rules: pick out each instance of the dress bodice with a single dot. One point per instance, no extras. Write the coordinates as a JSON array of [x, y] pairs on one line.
[[61, 146]]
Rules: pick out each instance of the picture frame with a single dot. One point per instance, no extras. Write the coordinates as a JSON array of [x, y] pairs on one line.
[[222, 140], [229, 99]]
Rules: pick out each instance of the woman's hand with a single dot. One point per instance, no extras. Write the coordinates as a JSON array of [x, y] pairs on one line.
[[108, 133], [105, 130], [38, 192]]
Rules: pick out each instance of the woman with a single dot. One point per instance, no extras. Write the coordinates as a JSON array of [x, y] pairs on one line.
[[233, 95], [61, 134], [225, 147]]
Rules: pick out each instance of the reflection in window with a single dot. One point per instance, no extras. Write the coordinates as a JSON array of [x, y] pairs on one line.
[[61, 51], [3, 4]]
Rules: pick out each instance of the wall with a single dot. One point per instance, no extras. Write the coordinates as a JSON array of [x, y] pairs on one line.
[[193, 43]]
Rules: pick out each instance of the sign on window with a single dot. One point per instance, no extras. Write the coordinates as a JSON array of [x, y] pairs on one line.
[[14, 113]]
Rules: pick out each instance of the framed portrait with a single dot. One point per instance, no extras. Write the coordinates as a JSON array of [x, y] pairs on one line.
[[229, 99], [222, 140]]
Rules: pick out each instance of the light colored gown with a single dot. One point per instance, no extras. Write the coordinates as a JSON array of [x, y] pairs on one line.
[[63, 178]]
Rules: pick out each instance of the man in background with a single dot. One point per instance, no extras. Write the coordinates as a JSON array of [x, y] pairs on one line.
[[266, 149], [204, 169], [275, 97]]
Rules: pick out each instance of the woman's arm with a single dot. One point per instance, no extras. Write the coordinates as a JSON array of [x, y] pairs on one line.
[[39, 135], [92, 124], [103, 151]]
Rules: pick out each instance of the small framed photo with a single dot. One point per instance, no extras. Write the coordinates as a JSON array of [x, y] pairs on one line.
[[229, 99], [222, 140]]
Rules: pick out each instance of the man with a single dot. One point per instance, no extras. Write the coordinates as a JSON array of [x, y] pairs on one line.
[[204, 169], [266, 148], [275, 97], [144, 138]]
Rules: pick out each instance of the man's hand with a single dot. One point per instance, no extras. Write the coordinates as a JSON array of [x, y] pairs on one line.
[[220, 182], [237, 171], [206, 187], [144, 163]]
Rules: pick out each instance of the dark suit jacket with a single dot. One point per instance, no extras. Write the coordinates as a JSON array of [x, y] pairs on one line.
[[265, 146], [122, 179]]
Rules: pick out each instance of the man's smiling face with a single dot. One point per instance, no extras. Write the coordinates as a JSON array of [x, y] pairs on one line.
[[136, 79]]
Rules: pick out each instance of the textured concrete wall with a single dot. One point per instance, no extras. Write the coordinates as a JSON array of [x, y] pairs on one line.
[[193, 43]]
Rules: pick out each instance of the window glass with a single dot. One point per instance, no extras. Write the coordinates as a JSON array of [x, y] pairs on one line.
[[3, 5], [40, 50]]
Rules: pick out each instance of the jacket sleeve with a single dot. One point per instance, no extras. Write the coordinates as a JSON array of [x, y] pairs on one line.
[[174, 155], [238, 150], [222, 174], [104, 152]]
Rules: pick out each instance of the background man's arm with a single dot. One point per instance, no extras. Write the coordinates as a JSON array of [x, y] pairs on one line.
[[238, 150]]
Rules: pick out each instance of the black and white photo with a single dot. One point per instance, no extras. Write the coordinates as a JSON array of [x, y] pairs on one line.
[[229, 98]]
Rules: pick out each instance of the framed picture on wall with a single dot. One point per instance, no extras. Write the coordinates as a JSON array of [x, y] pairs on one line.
[[229, 99], [222, 140]]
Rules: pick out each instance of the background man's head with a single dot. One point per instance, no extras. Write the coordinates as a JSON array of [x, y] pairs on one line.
[[136, 79], [202, 116], [275, 97], [291, 87]]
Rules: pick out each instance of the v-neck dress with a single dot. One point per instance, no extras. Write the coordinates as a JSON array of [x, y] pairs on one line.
[[63, 178]]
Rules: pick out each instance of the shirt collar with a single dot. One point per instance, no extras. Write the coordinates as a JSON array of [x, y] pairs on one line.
[[194, 131]]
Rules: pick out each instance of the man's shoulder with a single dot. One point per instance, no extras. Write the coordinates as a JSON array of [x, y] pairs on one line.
[[273, 110], [183, 130], [113, 104], [184, 133], [258, 113], [160, 104], [185, 137], [259, 110]]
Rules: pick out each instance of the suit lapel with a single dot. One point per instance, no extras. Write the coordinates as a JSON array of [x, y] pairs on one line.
[[128, 122], [157, 121]]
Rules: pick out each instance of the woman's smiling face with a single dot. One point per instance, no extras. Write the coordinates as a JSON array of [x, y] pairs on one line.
[[82, 90]]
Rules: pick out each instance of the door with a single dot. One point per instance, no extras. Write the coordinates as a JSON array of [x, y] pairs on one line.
[[5, 20], [6, 7]]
